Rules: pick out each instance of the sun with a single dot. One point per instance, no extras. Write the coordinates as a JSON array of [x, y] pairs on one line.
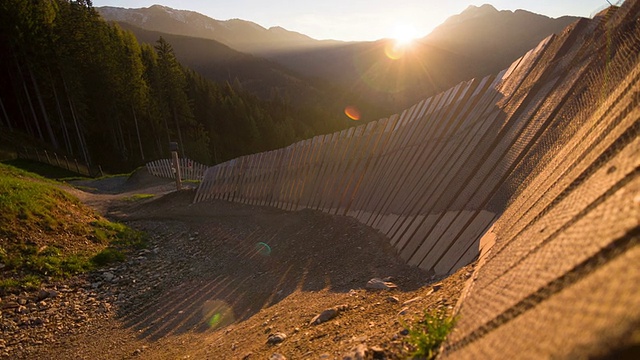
[[404, 34]]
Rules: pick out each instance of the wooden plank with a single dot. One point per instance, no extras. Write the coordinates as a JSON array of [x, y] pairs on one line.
[[321, 144], [297, 175], [343, 173], [570, 161], [467, 247], [408, 188], [398, 153], [327, 164], [363, 167], [408, 166], [395, 157], [625, 162], [287, 175], [264, 180], [332, 175], [476, 185], [483, 118], [253, 177], [358, 165], [374, 176], [315, 193], [363, 184], [456, 229], [305, 178], [283, 163]]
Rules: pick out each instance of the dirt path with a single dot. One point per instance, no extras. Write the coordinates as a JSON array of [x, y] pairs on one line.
[[219, 278]]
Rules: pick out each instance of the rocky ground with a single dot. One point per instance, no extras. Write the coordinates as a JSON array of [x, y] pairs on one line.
[[222, 280]]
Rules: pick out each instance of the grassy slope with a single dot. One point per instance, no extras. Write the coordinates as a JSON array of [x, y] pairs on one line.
[[47, 233]]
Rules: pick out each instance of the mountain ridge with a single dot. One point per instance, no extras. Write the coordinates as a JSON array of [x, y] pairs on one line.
[[479, 41]]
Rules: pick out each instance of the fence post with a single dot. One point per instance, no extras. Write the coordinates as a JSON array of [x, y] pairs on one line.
[[173, 146], [57, 159], [46, 154], [100, 169], [77, 167]]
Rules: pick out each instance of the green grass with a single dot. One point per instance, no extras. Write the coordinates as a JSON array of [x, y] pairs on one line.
[[138, 197], [42, 169], [429, 333], [44, 233]]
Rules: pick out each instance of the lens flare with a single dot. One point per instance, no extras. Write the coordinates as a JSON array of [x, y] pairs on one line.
[[394, 51], [263, 249], [352, 112], [217, 314]]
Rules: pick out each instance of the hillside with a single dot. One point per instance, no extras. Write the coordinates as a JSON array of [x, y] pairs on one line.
[[242, 35], [477, 42]]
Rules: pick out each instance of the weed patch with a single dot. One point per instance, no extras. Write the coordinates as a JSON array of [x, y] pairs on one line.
[[429, 333]]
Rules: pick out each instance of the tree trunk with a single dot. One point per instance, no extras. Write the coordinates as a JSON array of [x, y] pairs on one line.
[[47, 123], [26, 91], [5, 116], [81, 142], [175, 118], [63, 124], [135, 120]]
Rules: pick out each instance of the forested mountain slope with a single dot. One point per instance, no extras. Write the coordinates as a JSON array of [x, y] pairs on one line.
[[90, 90]]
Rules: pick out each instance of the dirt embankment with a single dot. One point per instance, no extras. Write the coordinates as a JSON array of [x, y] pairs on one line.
[[219, 279]]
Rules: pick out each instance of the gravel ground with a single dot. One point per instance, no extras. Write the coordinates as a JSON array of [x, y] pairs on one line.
[[222, 280]]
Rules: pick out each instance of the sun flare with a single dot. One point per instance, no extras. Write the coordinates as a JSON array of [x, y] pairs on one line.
[[404, 34]]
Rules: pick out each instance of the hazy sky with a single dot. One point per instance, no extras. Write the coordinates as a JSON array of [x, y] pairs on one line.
[[358, 19]]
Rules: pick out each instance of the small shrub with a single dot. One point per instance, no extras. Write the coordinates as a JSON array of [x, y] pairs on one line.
[[31, 282], [428, 334], [107, 256]]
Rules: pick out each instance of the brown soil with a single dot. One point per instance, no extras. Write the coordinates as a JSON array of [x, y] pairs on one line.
[[218, 278]]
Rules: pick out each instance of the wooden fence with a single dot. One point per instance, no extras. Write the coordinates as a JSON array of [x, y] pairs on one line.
[[546, 154], [61, 161], [435, 177], [189, 169]]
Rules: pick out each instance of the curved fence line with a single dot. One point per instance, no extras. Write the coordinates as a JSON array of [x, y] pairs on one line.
[[189, 169], [546, 155]]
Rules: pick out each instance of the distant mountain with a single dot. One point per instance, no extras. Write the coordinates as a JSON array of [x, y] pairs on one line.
[[241, 35], [265, 78], [493, 39], [479, 41]]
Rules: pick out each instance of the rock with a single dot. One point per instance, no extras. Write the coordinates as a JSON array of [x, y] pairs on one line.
[[277, 356], [108, 276], [52, 293], [436, 287], [378, 353], [324, 316], [404, 332], [276, 338], [411, 301], [327, 315], [379, 284], [42, 294], [359, 352]]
